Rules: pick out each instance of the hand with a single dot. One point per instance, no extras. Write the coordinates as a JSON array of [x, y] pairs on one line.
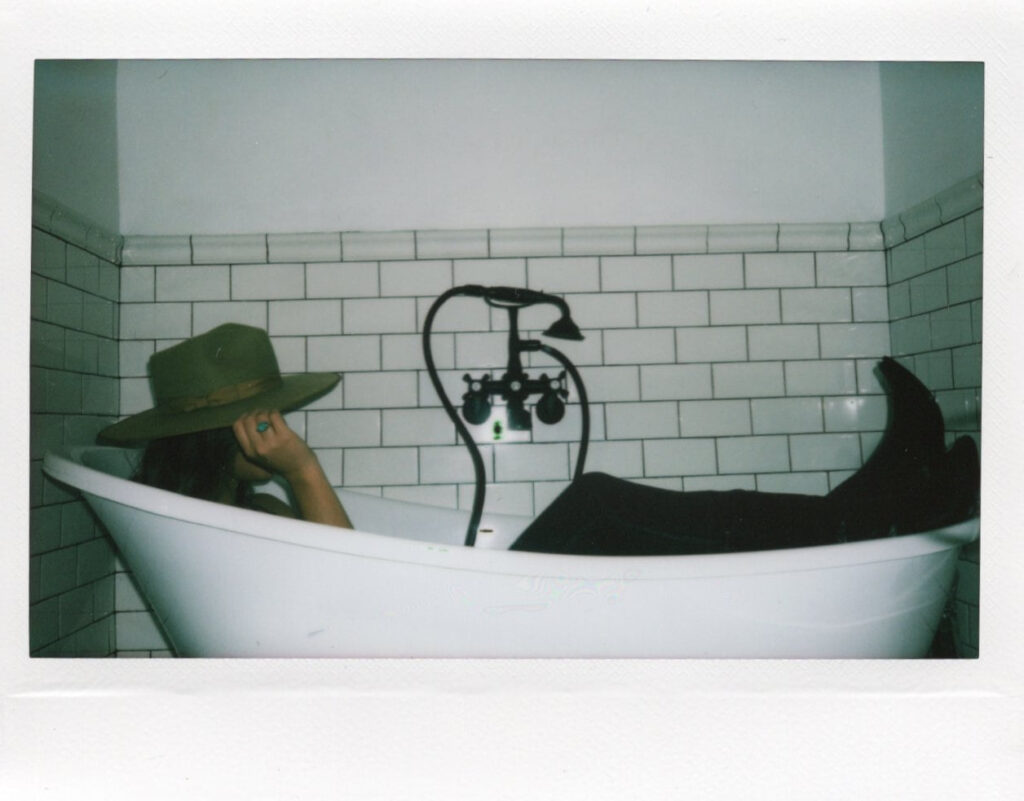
[[281, 450], [276, 448]]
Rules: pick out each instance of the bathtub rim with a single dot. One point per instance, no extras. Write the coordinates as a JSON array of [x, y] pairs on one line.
[[66, 466]]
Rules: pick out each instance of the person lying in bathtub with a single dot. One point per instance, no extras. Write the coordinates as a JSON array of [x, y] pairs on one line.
[[214, 432], [217, 426]]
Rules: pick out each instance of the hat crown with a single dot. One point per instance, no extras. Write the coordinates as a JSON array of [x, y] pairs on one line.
[[228, 355]]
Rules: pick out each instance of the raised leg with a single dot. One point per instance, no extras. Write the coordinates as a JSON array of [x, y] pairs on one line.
[[909, 484]]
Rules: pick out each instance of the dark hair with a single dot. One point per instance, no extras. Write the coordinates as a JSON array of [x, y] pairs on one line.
[[198, 464]]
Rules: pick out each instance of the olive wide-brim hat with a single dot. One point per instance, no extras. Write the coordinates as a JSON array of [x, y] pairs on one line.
[[210, 380]]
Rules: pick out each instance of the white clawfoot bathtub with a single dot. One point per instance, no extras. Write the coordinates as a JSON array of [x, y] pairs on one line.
[[227, 582]]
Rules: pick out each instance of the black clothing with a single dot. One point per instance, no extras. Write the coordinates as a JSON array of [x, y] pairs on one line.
[[909, 484], [599, 514]]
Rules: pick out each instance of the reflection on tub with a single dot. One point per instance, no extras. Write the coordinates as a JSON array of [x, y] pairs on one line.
[[229, 582]]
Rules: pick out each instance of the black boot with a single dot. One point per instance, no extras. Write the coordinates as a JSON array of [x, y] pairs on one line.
[[898, 487], [951, 496]]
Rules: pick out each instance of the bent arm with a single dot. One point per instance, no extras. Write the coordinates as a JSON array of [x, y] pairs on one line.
[[316, 497], [281, 450]]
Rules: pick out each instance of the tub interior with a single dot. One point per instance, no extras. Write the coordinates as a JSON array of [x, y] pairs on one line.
[[394, 524], [368, 512]]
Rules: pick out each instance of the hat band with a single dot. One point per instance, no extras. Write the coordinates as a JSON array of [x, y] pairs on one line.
[[223, 395]]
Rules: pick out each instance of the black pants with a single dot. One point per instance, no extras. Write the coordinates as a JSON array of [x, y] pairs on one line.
[[599, 514], [909, 484]]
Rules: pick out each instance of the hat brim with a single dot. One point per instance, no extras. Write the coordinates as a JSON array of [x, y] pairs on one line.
[[295, 390]]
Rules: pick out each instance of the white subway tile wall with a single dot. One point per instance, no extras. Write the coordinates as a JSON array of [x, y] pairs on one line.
[[935, 286], [625, 273], [74, 392], [708, 348], [262, 281]]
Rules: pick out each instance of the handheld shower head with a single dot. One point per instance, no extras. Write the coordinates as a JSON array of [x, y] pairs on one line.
[[517, 298], [564, 328]]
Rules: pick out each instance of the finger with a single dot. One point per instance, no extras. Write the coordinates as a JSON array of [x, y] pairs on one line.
[[255, 417], [251, 422], [270, 424], [261, 432], [250, 418], [242, 435]]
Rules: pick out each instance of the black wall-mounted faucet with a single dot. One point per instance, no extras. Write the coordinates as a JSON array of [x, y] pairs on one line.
[[515, 386]]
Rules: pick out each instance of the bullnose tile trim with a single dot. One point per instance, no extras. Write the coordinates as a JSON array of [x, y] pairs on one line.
[[156, 250], [672, 239], [467, 244], [599, 241], [136, 250], [525, 242], [303, 247], [893, 232], [69, 226], [104, 244], [961, 199], [823, 236], [866, 236], [377, 245], [57, 219], [743, 238], [501, 243], [229, 249], [922, 217]]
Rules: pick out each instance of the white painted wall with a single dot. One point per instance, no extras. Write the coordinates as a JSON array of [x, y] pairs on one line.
[[265, 146], [932, 117], [74, 153]]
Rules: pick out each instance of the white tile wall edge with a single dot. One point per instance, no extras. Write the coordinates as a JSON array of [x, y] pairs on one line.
[[304, 247], [514, 243], [55, 218], [960, 199], [156, 250]]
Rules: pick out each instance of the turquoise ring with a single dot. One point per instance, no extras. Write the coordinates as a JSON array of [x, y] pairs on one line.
[[262, 426]]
